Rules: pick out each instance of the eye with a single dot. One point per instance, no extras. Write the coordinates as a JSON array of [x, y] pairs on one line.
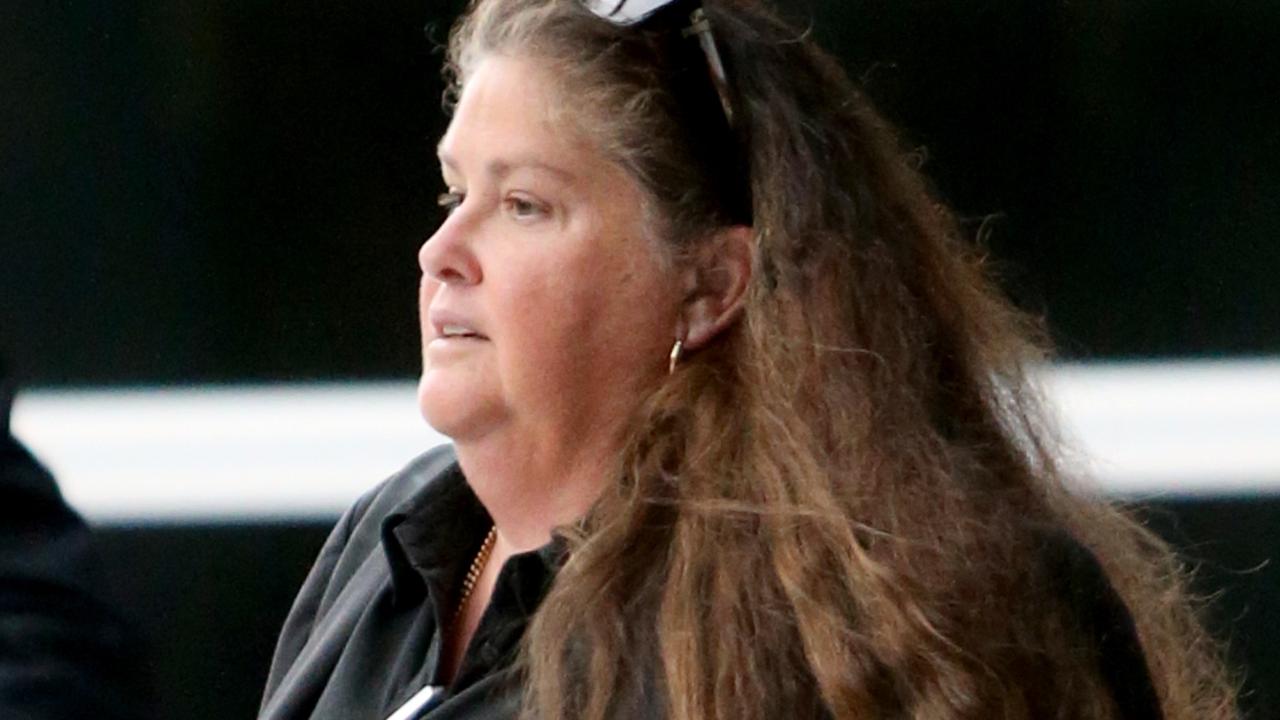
[[450, 200], [523, 208]]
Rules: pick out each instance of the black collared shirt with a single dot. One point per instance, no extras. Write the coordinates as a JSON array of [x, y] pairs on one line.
[[362, 637]]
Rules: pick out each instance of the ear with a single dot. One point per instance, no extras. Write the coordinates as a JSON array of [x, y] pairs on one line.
[[716, 285]]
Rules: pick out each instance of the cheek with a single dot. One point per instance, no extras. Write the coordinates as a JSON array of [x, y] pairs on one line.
[[616, 317], [576, 321], [542, 315], [598, 318], [588, 296]]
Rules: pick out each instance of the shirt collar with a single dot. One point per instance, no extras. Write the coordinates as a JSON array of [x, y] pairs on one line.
[[430, 537]]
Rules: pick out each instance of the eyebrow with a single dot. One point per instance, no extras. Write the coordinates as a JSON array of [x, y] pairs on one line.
[[501, 167]]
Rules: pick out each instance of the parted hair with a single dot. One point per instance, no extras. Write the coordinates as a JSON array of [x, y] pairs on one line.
[[840, 507]]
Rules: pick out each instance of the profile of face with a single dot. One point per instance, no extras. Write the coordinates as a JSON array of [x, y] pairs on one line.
[[546, 308]]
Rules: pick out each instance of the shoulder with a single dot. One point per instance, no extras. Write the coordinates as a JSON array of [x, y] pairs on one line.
[[367, 513], [358, 533], [353, 547]]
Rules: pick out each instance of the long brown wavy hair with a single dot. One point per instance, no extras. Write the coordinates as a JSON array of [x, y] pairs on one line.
[[841, 508]]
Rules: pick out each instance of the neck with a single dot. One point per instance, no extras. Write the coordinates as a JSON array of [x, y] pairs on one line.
[[530, 488]]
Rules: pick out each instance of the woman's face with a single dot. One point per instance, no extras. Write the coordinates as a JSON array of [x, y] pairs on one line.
[[545, 308]]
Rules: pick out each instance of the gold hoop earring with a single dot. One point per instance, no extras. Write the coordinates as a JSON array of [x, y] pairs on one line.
[[675, 356]]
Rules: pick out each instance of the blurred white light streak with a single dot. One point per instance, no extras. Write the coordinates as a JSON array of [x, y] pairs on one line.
[[308, 451], [1210, 427], [291, 451]]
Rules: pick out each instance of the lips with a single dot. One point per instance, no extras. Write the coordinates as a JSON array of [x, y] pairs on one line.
[[451, 331], [450, 325]]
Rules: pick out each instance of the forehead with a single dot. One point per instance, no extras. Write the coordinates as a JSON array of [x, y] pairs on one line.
[[510, 110]]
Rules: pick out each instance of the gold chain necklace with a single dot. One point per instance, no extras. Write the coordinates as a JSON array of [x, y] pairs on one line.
[[477, 567]]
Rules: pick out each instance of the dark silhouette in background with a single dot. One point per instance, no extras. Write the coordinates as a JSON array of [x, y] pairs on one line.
[[65, 652]]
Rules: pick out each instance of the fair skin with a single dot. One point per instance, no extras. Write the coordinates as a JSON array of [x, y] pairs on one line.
[[547, 312]]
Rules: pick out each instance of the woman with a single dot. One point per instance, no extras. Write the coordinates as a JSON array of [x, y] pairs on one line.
[[740, 428]]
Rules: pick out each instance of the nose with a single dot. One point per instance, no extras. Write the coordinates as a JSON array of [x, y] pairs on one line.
[[447, 256]]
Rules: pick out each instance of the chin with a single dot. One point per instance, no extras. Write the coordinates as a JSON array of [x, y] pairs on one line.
[[436, 407], [451, 410]]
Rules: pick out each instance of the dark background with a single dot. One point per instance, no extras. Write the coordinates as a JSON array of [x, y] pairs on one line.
[[196, 191], [201, 191]]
